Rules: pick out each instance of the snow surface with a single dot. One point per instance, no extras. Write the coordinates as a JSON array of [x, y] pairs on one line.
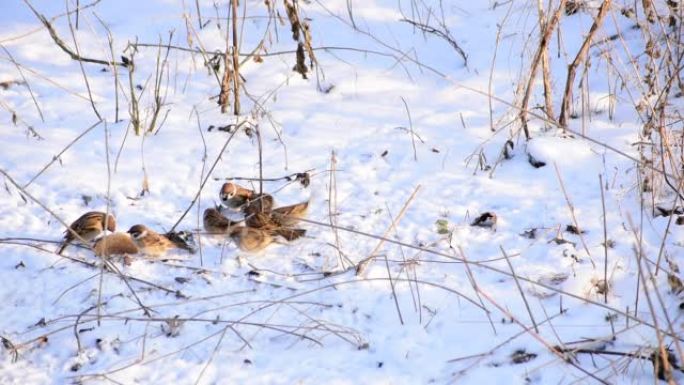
[[291, 323]]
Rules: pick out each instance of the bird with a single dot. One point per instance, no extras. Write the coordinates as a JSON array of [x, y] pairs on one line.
[[259, 212], [290, 215], [290, 234], [88, 227], [234, 196], [154, 244], [486, 219], [280, 220], [257, 219], [240, 198], [250, 239], [115, 244], [183, 240], [272, 223], [215, 222]]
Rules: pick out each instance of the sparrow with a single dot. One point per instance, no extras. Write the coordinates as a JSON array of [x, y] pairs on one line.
[[88, 226], [272, 223], [234, 196], [250, 239], [183, 240], [154, 244], [486, 219], [115, 244], [286, 216], [290, 215], [290, 234], [215, 222], [240, 198]]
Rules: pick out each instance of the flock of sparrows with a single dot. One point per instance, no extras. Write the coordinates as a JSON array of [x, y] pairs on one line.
[[263, 224], [262, 221]]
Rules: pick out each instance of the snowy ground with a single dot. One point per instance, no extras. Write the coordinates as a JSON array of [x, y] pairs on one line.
[[281, 317]]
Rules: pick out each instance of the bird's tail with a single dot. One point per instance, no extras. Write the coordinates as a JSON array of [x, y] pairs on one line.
[[291, 234], [183, 240], [62, 247]]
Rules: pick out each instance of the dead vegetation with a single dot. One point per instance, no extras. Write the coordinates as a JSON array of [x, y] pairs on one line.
[[650, 79]]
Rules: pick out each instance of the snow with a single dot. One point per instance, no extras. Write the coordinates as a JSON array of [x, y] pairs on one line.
[[287, 322]]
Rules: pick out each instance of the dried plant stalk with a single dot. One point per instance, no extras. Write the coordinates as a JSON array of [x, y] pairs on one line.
[[572, 68]]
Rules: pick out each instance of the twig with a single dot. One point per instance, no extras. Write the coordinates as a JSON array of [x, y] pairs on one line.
[[236, 62], [63, 293], [522, 293], [572, 68], [28, 85], [546, 75], [491, 351], [36, 30], [473, 283], [572, 214], [76, 323], [56, 157], [204, 166], [288, 178], [541, 49], [486, 266], [363, 264], [442, 34], [490, 80], [605, 241], [332, 210], [607, 146], [80, 62], [413, 139], [158, 100], [213, 353], [74, 233], [48, 79], [16, 118], [661, 251], [114, 68], [199, 15], [261, 158], [134, 107], [661, 343], [539, 338], [391, 282], [211, 169], [60, 43], [14, 241], [406, 267]]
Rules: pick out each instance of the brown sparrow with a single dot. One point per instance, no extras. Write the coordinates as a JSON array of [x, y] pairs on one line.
[[234, 196], [154, 244], [250, 239], [115, 244], [281, 220], [289, 215], [89, 226], [257, 219], [215, 222], [239, 198], [272, 223], [290, 234]]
